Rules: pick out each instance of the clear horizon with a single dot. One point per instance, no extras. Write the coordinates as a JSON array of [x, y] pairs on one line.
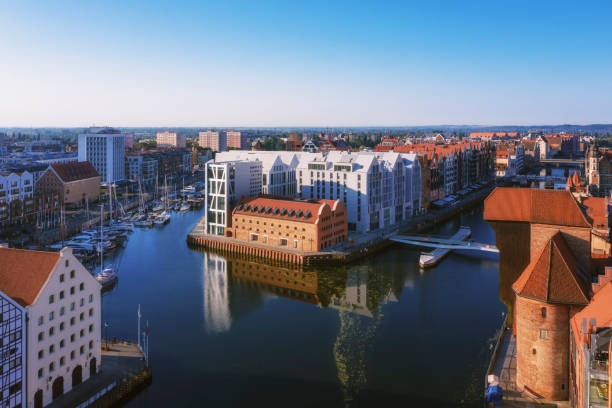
[[319, 64]]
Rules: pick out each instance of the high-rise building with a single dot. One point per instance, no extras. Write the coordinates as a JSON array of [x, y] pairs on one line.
[[214, 140], [170, 139], [236, 139], [104, 148], [62, 303]]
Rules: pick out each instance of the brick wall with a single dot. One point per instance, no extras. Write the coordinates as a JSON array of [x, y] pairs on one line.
[[578, 239], [542, 348]]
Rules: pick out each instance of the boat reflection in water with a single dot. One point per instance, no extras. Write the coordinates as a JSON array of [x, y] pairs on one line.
[[355, 292]]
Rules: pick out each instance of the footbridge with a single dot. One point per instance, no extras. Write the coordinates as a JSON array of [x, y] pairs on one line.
[[443, 243]]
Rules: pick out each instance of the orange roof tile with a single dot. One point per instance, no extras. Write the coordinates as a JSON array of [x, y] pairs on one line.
[[600, 309], [597, 210], [554, 276], [554, 207], [23, 273]]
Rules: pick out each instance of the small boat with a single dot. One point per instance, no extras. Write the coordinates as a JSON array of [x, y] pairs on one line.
[[147, 222], [158, 207], [162, 218], [107, 278], [185, 206]]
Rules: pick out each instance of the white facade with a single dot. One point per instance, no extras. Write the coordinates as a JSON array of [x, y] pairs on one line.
[[226, 182], [377, 189], [64, 333], [104, 148], [12, 353], [15, 186], [170, 139]]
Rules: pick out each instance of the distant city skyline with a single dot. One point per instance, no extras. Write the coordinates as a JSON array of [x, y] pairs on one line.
[[316, 64]]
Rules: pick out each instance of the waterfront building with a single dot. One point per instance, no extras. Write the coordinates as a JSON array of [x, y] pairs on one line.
[[599, 170], [378, 189], [12, 352], [590, 349], [104, 148], [16, 186], [62, 303], [509, 159], [301, 224], [226, 182], [531, 152], [543, 147], [43, 208], [551, 248], [214, 140], [143, 168], [170, 139], [237, 139], [75, 182]]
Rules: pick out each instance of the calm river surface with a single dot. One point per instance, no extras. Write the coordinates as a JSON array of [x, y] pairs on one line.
[[231, 332]]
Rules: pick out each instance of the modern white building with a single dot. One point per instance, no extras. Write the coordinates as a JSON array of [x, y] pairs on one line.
[[12, 353], [170, 139], [104, 148], [378, 189], [62, 303], [16, 186], [226, 182]]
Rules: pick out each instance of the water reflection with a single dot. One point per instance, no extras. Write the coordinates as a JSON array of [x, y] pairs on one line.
[[217, 317]]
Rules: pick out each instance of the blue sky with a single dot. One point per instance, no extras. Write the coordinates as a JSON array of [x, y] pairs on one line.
[[314, 63]]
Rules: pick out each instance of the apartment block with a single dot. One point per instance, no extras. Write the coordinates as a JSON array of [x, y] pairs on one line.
[[237, 139], [214, 140], [170, 139], [104, 148]]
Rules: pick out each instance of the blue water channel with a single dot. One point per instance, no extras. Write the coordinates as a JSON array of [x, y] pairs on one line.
[[231, 332]]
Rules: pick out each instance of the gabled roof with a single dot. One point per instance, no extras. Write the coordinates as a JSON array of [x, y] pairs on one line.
[[74, 171], [553, 207], [554, 276], [23, 273]]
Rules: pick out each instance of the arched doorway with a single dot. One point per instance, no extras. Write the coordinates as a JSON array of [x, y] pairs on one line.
[[38, 402], [77, 375], [92, 367], [58, 387]]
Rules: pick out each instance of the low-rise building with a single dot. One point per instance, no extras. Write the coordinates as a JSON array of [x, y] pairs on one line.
[[76, 182], [302, 224], [62, 302]]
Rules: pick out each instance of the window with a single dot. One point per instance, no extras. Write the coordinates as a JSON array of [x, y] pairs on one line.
[[543, 312], [82, 316], [81, 349], [61, 326], [72, 306], [51, 349], [67, 263], [62, 277], [90, 344], [90, 328], [51, 331], [543, 334], [51, 316], [72, 290], [62, 343], [81, 333], [282, 242], [41, 336], [81, 286], [41, 354], [91, 312], [62, 311], [72, 338], [40, 373], [61, 294], [72, 274], [41, 320], [62, 361], [72, 355], [295, 244], [51, 299], [533, 351], [72, 321], [90, 298], [51, 367]]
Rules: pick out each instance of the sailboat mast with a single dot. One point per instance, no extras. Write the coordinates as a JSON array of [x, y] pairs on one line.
[[101, 237]]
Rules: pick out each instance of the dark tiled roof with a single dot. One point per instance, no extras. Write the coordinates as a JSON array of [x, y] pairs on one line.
[[554, 276], [23, 273], [284, 209], [554, 207], [75, 171]]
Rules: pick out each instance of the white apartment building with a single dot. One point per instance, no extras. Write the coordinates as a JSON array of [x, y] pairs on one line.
[[62, 302], [12, 353], [378, 189], [104, 148], [170, 139], [16, 186], [226, 182], [214, 140]]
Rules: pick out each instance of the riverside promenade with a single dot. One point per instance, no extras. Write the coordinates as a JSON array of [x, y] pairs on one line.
[[358, 244]]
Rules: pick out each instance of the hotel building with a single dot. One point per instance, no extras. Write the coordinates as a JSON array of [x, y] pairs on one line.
[[104, 148], [62, 303]]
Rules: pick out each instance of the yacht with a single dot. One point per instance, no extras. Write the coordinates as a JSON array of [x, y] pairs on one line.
[[107, 278], [162, 218], [185, 206]]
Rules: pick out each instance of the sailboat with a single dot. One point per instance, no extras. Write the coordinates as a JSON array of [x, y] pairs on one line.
[[164, 216], [107, 277]]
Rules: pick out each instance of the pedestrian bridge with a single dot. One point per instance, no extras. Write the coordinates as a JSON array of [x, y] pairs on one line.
[[433, 242]]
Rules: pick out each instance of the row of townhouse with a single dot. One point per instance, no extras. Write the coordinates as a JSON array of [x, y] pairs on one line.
[[50, 331], [509, 159], [16, 186], [378, 188]]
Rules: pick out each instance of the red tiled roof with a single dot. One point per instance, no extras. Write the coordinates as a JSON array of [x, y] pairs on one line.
[[75, 171], [597, 210], [312, 206], [600, 309], [23, 273], [554, 207], [554, 276]]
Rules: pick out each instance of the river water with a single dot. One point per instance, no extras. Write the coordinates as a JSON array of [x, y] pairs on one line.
[[381, 332]]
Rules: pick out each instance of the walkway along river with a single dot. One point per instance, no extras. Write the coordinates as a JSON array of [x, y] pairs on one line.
[[379, 332]]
